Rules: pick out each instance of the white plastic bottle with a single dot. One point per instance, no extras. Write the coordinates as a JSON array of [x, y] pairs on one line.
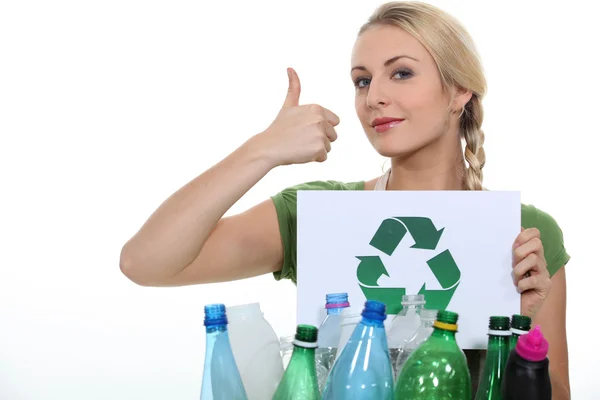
[[256, 350], [404, 325]]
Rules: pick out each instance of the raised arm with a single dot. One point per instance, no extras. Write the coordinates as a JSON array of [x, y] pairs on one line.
[[187, 241]]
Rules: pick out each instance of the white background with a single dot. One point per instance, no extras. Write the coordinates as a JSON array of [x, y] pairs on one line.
[[107, 107], [329, 240]]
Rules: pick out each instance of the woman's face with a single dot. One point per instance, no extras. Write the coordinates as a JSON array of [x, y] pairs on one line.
[[400, 100]]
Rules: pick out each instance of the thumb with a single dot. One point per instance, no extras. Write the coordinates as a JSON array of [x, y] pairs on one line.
[[293, 95]]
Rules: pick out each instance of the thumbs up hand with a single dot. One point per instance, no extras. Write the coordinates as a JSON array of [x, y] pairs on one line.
[[300, 133]]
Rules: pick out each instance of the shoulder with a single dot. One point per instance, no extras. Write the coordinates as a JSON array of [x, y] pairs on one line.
[[551, 235], [287, 197]]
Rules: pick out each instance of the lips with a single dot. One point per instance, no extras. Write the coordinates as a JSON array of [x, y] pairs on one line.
[[384, 124], [385, 120]]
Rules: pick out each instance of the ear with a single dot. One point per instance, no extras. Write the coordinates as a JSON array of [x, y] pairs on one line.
[[461, 98]]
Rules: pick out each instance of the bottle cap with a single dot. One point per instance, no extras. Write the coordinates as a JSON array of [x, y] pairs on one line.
[[532, 346]]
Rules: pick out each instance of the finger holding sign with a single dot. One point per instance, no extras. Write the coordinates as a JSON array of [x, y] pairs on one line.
[[299, 134], [530, 272]]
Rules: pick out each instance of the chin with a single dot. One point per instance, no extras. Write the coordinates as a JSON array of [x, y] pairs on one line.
[[392, 147]]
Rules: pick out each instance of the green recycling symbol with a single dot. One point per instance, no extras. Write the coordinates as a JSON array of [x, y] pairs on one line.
[[386, 239]]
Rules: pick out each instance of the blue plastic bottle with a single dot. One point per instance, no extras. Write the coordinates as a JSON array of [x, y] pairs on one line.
[[221, 380], [329, 335], [363, 370]]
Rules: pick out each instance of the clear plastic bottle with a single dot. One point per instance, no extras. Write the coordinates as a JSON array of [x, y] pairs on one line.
[[256, 350], [329, 335], [427, 319], [404, 325], [286, 346]]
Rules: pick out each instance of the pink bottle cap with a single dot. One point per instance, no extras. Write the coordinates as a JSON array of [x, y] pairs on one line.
[[532, 346]]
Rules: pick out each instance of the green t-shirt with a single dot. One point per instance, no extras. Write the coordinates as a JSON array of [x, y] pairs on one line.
[[285, 204]]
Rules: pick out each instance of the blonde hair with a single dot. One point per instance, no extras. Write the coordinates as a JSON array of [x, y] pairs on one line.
[[458, 63]]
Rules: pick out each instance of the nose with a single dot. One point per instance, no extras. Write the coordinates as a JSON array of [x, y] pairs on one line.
[[377, 96]]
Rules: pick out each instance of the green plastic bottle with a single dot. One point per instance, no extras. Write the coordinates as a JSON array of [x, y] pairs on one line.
[[499, 334], [519, 325], [300, 378], [438, 368]]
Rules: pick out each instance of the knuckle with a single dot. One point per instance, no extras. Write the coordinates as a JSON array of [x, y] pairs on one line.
[[315, 108], [537, 242]]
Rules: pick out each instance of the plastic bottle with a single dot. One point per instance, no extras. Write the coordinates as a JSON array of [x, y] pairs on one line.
[[350, 318], [404, 325], [422, 334], [519, 325], [526, 376], [300, 378], [256, 350], [221, 378], [363, 370], [329, 335], [490, 385], [286, 346], [438, 368]]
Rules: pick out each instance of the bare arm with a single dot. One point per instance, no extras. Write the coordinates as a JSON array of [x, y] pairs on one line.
[[173, 236], [552, 319], [187, 241]]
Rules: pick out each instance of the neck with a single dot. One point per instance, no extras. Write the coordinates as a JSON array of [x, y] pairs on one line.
[[439, 166]]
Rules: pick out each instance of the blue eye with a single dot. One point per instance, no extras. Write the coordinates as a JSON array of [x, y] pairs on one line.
[[404, 73], [359, 80], [399, 74]]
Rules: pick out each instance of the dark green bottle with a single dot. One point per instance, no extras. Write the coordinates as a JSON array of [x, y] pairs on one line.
[[490, 385], [519, 325], [300, 378], [437, 369]]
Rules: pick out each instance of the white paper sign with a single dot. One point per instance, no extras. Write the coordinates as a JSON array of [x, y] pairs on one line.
[[453, 246]]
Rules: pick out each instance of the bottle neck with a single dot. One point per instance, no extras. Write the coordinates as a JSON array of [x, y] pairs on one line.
[[412, 306], [335, 310], [371, 322], [444, 334], [216, 329]]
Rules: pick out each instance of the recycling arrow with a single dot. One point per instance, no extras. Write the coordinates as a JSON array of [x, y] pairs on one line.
[[368, 272], [447, 274], [386, 239], [392, 231]]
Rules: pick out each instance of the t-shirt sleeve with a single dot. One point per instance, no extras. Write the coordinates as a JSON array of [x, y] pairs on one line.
[[552, 239], [286, 205]]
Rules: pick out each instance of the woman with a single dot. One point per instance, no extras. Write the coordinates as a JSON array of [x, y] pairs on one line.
[[419, 89]]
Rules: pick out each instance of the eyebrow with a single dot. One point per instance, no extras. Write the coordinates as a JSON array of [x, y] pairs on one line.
[[385, 64]]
